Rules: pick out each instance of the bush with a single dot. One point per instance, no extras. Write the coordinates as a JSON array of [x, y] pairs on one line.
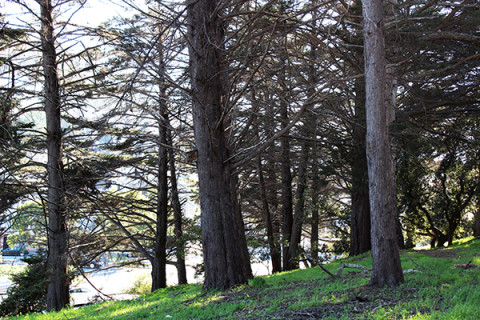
[[29, 290], [141, 286]]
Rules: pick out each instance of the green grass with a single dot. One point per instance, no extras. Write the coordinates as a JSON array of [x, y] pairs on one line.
[[435, 290]]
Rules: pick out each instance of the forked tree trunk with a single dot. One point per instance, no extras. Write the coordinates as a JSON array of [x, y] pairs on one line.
[[58, 282], [296, 235], [275, 254], [387, 269], [222, 238]]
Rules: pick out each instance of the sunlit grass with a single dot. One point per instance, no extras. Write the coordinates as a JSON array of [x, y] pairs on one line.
[[433, 289]]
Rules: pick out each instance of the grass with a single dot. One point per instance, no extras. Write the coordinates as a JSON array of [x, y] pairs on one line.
[[436, 289]]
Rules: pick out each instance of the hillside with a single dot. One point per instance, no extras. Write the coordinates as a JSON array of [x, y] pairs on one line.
[[439, 284]]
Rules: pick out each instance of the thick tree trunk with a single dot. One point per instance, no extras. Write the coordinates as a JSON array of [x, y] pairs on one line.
[[177, 218], [296, 235], [387, 269], [58, 282], [221, 237], [360, 240]]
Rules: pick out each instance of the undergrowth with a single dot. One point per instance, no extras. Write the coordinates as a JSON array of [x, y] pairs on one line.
[[434, 288]]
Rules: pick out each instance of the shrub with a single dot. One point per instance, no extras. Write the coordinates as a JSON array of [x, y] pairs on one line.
[[141, 286], [29, 290]]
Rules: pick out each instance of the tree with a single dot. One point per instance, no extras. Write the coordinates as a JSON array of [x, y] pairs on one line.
[[387, 269], [58, 285], [224, 245]]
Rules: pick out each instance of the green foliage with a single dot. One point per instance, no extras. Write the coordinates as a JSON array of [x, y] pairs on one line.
[[8, 270], [258, 282], [29, 291], [29, 226]]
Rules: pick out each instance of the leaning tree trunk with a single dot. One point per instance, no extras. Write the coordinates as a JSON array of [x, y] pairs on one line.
[[177, 217], [387, 269], [221, 237], [58, 282]]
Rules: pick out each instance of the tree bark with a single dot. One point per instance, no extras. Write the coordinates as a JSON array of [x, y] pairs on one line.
[[221, 237], [386, 263], [360, 240], [58, 282], [159, 271]]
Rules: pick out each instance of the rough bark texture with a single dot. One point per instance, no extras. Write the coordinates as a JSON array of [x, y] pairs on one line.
[[360, 240], [222, 238], [386, 263], [58, 282]]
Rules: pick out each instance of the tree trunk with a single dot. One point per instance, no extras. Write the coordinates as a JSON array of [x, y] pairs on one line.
[[296, 235], [272, 182], [159, 272], [360, 240], [177, 218], [274, 252], [221, 237], [315, 215], [58, 282], [286, 175], [159, 275], [387, 269]]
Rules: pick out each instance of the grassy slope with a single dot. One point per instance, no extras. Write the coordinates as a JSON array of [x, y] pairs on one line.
[[438, 290]]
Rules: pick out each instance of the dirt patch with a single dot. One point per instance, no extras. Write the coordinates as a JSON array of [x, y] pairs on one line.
[[357, 302], [441, 253]]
